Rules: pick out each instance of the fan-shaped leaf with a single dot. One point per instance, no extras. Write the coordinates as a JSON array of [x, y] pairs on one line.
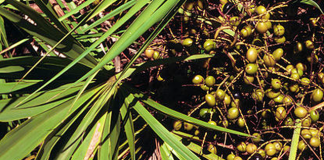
[[46, 32], [22, 140], [38, 103]]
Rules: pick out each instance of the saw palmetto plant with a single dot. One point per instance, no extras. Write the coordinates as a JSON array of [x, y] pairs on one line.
[[164, 79]]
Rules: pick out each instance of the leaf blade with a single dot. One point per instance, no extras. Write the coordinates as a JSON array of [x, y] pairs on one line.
[[162, 132], [33, 131]]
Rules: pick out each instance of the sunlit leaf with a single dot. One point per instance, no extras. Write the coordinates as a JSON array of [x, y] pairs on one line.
[[11, 69], [22, 140], [129, 126], [89, 144], [161, 131], [295, 140], [166, 152]]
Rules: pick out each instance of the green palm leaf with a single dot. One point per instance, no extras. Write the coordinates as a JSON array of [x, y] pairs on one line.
[[23, 139]]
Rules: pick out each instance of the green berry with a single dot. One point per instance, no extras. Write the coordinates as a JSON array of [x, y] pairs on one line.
[[210, 81], [262, 27], [210, 100], [277, 54], [220, 94], [187, 42], [279, 30], [232, 113], [198, 79], [300, 112], [314, 115], [251, 68], [209, 45], [269, 60], [317, 95], [252, 55], [276, 83], [260, 10]]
